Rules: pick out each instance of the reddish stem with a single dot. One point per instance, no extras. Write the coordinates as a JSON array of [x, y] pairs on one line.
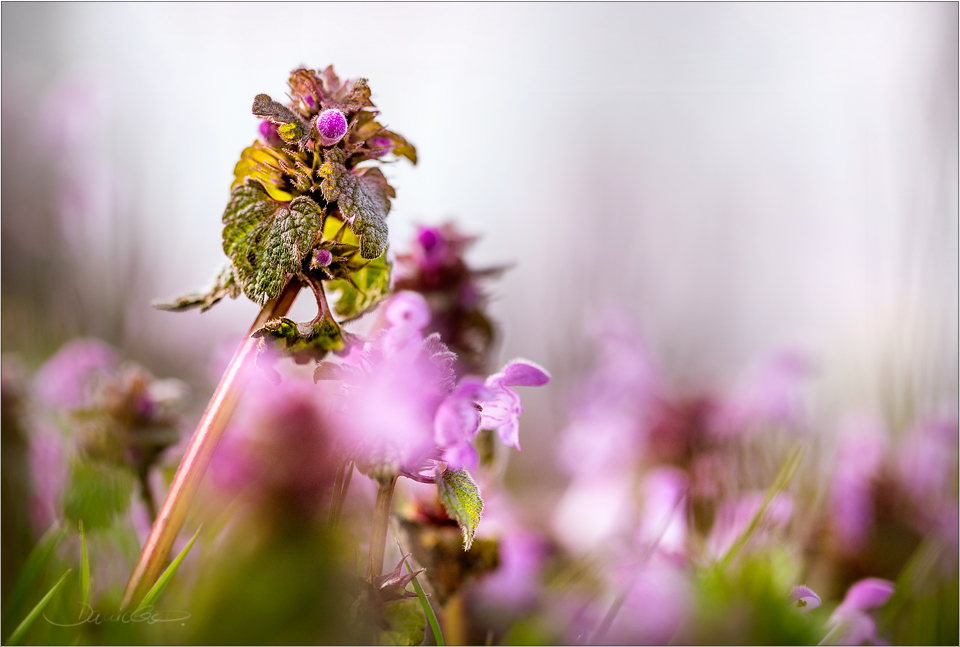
[[168, 523]]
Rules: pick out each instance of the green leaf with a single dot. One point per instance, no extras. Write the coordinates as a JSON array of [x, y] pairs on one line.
[[405, 619], [366, 287], [224, 285], [96, 493], [168, 574], [84, 567], [425, 604], [32, 569], [22, 628], [285, 336], [460, 496], [779, 484], [292, 128], [363, 197], [268, 240]]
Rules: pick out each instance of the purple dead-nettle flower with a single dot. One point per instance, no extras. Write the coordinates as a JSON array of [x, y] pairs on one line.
[[860, 458], [457, 421], [501, 411], [380, 145], [269, 134], [850, 623], [804, 599], [332, 126], [771, 396], [67, 380]]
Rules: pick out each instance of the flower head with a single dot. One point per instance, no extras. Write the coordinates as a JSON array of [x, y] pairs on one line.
[[804, 598], [501, 410], [332, 126]]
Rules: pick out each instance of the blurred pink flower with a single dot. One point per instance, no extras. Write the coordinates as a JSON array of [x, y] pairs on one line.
[[66, 381], [770, 397], [663, 522], [734, 518], [850, 624], [926, 463], [859, 458]]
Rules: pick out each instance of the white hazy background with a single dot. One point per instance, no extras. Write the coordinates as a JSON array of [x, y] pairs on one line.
[[738, 177]]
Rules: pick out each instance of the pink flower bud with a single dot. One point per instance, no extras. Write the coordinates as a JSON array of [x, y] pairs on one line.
[[323, 257], [380, 145], [332, 126], [268, 134]]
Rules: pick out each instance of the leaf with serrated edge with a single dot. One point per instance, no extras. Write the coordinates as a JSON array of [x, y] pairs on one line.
[[225, 285], [460, 496], [363, 197], [369, 285], [268, 240]]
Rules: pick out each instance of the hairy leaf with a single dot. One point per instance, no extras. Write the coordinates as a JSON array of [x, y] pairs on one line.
[[285, 336], [96, 494], [224, 285], [292, 128], [406, 621], [460, 496], [363, 197], [268, 240], [267, 166], [366, 287]]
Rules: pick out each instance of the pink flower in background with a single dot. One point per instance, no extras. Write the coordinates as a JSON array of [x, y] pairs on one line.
[[850, 624], [66, 381], [926, 462], [859, 458], [663, 521], [502, 408], [770, 397], [734, 518]]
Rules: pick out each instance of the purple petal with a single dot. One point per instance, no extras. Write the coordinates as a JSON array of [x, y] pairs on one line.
[[804, 598], [521, 372], [868, 594], [500, 409], [461, 455], [408, 309], [510, 433], [457, 419]]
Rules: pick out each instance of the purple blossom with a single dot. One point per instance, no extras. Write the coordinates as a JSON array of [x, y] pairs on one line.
[[851, 496], [67, 379], [804, 599], [502, 409], [663, 522], [771, 396], [380, 145], [850, 624], [269, 134], [332, 126], [457, 421]]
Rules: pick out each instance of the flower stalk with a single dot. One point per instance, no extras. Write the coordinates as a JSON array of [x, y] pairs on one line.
[[381, 521], [172, 514]]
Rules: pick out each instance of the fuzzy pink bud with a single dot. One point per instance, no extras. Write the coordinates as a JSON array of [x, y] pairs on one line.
[[332, 126]]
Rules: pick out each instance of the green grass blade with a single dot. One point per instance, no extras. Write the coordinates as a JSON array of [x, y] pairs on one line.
[[32, 569], [779, 484], [84, 567], [22, 628], [427, 609], [168, 574]]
